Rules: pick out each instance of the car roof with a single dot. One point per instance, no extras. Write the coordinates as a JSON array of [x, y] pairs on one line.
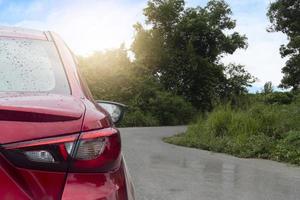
[[17, 32]]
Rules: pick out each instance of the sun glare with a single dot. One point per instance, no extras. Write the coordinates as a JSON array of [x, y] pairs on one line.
[[92, 27], [104, 27]]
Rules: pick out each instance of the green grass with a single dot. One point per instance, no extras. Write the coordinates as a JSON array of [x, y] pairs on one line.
[[268, 131]]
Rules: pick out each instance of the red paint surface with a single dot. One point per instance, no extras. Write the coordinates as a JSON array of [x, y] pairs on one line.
[[106, 186]]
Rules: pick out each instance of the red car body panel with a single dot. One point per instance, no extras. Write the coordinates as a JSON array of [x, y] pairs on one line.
[[32, 116], [39, 116], [110, 186]]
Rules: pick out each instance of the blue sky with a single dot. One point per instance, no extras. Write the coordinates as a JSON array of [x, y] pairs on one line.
[[92, 25]]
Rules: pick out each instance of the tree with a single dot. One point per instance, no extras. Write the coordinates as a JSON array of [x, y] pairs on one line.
[[109, 74], [237, 80], [183, 46], [176, 65], [112, 76], [268, 88], [285, 17]]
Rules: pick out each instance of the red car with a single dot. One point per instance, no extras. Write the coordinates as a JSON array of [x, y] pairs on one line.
[[56, 142]]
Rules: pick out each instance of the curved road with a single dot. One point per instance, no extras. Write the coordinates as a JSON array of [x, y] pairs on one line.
[[166, 172]]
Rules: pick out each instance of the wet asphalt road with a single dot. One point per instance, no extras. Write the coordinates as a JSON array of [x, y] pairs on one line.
[[165, 172]]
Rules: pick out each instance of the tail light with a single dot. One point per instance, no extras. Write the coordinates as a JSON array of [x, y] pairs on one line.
[[93, 151]]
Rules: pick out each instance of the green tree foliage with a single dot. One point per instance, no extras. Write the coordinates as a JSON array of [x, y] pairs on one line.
[[176, 66], [279, 98], [268, 88], [156, 107], [112, 76], [237, 79], [285, 17], [109, 75], [183, 46]]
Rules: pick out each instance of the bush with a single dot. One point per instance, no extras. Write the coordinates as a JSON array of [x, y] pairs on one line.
[[138, 118], [154, 107], [170, 109], [292, 138], [279, 98], [259, 131]]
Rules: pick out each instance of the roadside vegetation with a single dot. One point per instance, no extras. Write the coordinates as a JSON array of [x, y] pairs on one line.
[[266, 126]]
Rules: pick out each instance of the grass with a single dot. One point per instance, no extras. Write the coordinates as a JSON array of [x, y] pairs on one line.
[[268, 131]]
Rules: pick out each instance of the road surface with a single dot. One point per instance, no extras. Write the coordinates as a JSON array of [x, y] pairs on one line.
[[166, 172]]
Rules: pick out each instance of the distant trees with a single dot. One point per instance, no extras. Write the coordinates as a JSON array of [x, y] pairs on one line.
[[285, 17], [273, 97], [268, 88], [237, 80]]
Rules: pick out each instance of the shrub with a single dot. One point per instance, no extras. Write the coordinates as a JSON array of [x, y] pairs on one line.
[[170, 109], [279, 98], [138, 118], [292, 138], [158, 108], [259, 131]]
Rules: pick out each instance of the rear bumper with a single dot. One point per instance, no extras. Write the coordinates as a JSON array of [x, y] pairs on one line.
[[114, 185]]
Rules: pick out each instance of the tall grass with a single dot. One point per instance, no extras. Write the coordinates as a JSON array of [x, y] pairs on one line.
[[260, 130]]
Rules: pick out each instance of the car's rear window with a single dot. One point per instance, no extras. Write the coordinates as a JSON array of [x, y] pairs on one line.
[[31, 66]]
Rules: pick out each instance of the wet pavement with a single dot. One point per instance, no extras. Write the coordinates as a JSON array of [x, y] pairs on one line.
[[166, 172]]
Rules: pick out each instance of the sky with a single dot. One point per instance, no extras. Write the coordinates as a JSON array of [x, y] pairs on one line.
[[93, 25]]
